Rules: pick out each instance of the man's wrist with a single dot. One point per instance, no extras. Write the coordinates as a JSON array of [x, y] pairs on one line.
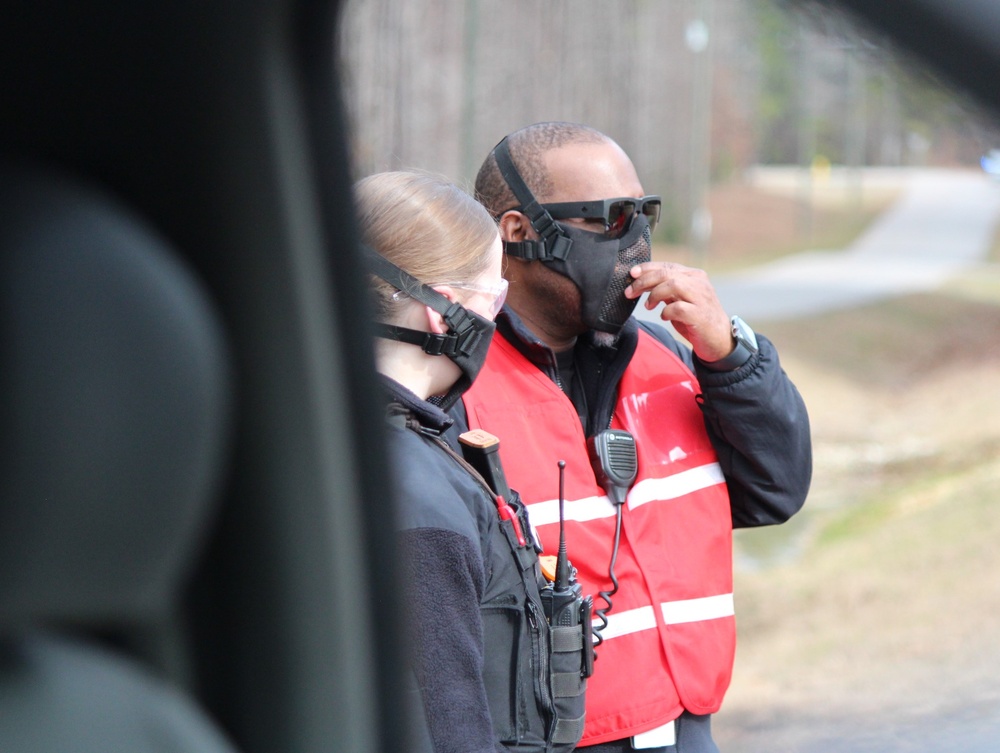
[[746, 348]]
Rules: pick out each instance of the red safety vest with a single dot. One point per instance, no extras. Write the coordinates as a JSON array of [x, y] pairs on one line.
[[671, 637]]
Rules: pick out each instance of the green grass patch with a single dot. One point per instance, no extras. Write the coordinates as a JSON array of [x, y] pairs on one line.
[[855, 520]]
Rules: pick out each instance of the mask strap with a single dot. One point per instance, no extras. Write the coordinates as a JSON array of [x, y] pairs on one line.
[[552, 244], [463, 335]]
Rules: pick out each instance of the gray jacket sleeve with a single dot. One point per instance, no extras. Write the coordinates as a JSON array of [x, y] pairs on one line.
[[759, 427]]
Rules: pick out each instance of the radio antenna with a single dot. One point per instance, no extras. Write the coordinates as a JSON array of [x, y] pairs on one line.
[[562, 560]]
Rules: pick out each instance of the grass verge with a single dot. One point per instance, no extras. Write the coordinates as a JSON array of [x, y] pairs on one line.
[[882, 599]]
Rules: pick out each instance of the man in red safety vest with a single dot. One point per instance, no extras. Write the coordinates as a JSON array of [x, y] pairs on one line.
[[715, 433]]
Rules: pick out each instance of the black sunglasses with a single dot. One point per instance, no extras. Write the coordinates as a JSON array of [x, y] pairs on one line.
[[617, 214]]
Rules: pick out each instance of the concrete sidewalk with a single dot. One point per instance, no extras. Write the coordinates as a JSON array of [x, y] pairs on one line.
[[941, 225]]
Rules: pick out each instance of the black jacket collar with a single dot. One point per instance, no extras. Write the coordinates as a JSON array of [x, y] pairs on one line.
[[509, 325], [601, 366], [401, 402]]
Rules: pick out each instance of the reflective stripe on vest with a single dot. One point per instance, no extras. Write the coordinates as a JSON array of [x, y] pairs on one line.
[[670, 640]]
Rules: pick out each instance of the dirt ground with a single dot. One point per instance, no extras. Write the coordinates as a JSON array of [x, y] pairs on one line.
[[883, 602], [877, 609]]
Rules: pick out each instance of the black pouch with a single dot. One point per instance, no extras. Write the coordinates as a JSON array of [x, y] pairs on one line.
[[569, 686]]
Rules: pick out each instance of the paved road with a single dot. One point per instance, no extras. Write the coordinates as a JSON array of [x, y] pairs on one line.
[[943, 224]]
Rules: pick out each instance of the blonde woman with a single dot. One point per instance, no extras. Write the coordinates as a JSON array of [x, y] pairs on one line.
[[472, 576]]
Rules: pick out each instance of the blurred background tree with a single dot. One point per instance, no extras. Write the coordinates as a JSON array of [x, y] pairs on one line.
[[696, 91]]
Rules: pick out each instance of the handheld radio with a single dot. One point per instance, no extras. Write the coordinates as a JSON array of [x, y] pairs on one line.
[[565, 605], [562, 598]]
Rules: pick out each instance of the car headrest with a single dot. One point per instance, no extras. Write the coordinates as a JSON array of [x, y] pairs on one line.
[[113, 408]]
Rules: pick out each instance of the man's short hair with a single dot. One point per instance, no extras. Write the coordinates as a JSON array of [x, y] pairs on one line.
[[527, 147]]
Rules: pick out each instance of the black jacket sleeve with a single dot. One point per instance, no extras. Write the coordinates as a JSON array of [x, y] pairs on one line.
[[759, 427], [444, 574]]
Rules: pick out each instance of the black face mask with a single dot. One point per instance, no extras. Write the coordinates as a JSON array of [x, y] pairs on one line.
[[467, 341], [597, 265]]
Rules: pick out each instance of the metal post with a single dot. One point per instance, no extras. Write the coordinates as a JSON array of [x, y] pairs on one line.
[[697, 36]]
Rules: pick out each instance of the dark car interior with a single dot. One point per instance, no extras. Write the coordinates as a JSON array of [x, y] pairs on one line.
[[193, 530], [957, 40], [193, 506]]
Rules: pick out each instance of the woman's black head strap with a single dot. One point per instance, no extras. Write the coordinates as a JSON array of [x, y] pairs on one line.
[[552, 244], [464, 334]]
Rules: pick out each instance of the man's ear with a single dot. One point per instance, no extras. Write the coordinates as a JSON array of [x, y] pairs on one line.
[[515, 226]]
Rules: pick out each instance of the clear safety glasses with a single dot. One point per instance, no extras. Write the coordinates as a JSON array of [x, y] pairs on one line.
[[497, 292]]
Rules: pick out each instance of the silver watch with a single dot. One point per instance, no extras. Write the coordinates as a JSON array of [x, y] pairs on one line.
[[746, 347]]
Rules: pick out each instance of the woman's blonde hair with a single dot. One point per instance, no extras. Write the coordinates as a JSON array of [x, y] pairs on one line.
[[424, 224]]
